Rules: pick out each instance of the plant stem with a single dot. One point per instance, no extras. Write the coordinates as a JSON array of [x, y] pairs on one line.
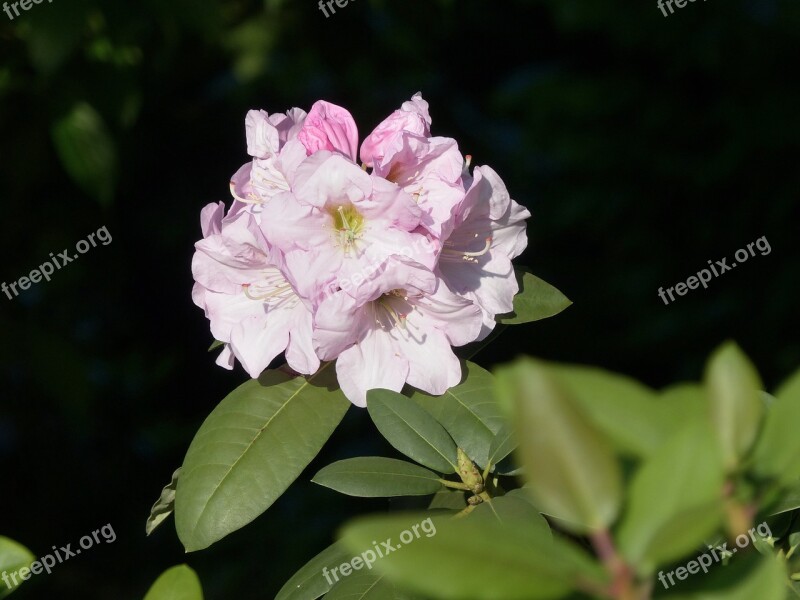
[[622, 584]]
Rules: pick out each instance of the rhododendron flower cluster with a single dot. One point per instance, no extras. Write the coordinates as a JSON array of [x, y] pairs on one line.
[[382, 266]]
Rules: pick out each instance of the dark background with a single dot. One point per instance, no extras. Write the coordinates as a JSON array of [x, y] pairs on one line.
[[644, 146]]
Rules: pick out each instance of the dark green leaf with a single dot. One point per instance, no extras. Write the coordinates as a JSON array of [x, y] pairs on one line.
[[468, 412], [535, 301], [250, 449], [366, 584], [375, 477], [310, 582], [503, 444], [412, 430]]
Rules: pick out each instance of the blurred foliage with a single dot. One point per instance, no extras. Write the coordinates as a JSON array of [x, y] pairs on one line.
[[645, 146]]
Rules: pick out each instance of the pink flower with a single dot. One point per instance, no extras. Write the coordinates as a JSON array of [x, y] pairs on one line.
[[413, 117], [428, 168], [329, 127], [273, 144], [251, 305], [398, 328], [488, 231], [340, 225]]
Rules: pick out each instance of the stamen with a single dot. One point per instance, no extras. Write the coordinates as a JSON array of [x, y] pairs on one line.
[[466, 255]]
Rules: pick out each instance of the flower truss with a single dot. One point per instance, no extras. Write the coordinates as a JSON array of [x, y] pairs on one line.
[[383, 267]]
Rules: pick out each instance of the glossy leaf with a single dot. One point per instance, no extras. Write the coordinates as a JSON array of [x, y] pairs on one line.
[[310, 582], [412, 430], [366, 584], [475, 558], [571, 468], [736, 407], [13, 557], [777, 453], [674, 500], [178, 583], [503, 444], [536, 300], [375, 477], [468, 412], [250, 449]]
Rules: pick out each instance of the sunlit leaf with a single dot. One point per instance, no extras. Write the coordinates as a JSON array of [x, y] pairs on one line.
[[536, 300], [571, 468], [250, 449], [178, 583]]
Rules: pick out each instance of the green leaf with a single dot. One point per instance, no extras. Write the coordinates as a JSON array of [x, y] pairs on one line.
[[515, 505], [790, 500], [777, 452], [13, 557], [503, 444], [164, 506], [571, 468], [674, 499], [87, 152], [250, 449], [309, 583], [623, 409], [535, 301], [215, 344], [468, 412], [365, 584], [681, 403], [474, 558], [375, 477], [448, 499], [736, 407], [761, 578], [177, 583], [411, 430]]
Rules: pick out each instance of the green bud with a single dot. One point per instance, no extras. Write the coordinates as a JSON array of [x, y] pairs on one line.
[[469, 473]]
